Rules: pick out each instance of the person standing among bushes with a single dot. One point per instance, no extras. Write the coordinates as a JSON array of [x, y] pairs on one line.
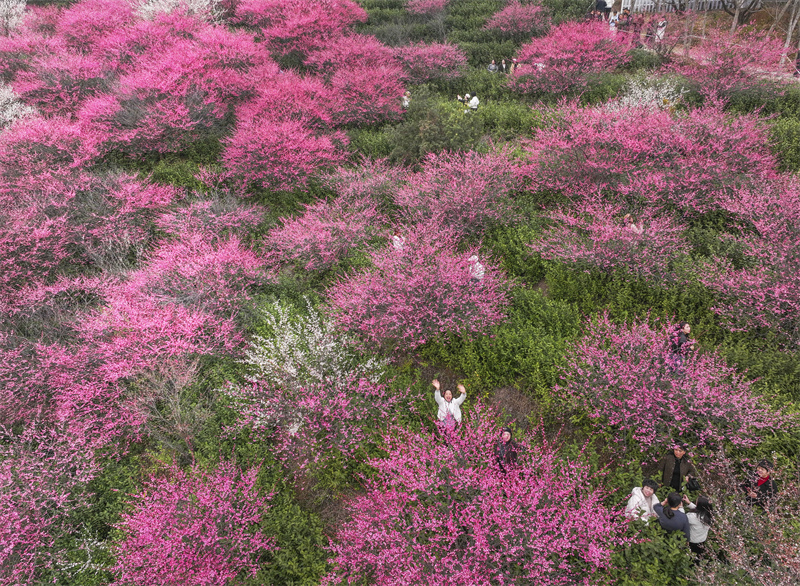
[[449, 412], [492, 67], [641, 504], [670, 515], [503, 68], [505, 451], [676, 467], [513, 66], [680, 346], [476, 269], [762, 488], [699, 516]]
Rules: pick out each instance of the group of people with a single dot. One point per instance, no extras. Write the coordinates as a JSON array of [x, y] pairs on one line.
[[677, 512], [502, 67], [627, 22], [449, 416]]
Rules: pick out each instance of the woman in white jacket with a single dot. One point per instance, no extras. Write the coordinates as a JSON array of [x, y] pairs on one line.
[[449, 408], [640, 505]]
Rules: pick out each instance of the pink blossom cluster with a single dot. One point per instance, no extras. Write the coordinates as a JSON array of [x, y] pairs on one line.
[[562, 60], [723, 61], [426, 6], [464, 193], [427, 62], [424, 289], [696, 162], [765, 291], [443, 513], [596, 235], [518, 20], [317, 421], [627, 379], [193, 528]]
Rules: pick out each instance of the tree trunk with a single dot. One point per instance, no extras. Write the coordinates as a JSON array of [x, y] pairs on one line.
[[735, 22], [793, 20]]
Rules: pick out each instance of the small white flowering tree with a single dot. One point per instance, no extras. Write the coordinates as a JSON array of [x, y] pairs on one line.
[[208, 10], [11, 13], [10, 107]]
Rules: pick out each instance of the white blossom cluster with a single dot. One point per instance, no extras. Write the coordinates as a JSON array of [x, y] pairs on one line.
[[11, 13], [649, 92], [207, 10], [306, 349], [10, 107]]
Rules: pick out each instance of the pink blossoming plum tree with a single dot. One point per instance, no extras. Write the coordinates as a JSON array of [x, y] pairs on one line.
[[519, 21], [696, 163], [196, 528], [299, 26], [719, 64], [413, 294], [326, 233], [444, 514], [464, 192], [627, 380], [562, 60], [765, 291], [595, 235], [427, 62]]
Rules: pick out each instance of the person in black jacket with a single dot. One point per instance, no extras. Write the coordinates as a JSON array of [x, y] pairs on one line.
[[761, 489], [505, 450], [676, 467]]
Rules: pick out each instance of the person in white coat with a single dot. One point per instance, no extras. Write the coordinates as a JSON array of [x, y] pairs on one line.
[[642, 502], [449, 413]]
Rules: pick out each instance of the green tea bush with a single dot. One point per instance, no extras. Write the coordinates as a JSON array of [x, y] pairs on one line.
[[509, 120], [652, 558], [526, 350], [786, 137], [371, 142], [433, 125]]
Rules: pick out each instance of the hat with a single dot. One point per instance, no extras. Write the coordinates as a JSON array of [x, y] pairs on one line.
[[466, 96], [473, 258], [507, 429], [765, 464]]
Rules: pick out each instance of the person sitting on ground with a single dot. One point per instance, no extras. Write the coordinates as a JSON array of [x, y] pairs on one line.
[[761, 489], [492, 67], [700, 517], [642, 502], [449, 412], [676, 467], [670, 515], [476, 269], [505, 451]]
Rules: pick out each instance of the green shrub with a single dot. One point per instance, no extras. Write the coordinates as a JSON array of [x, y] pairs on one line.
[[433, 125], [602, 87], [643, 60], [477, 81], [525, 351], [786, 139], [653, 558], [373, 143], [508, 120]]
